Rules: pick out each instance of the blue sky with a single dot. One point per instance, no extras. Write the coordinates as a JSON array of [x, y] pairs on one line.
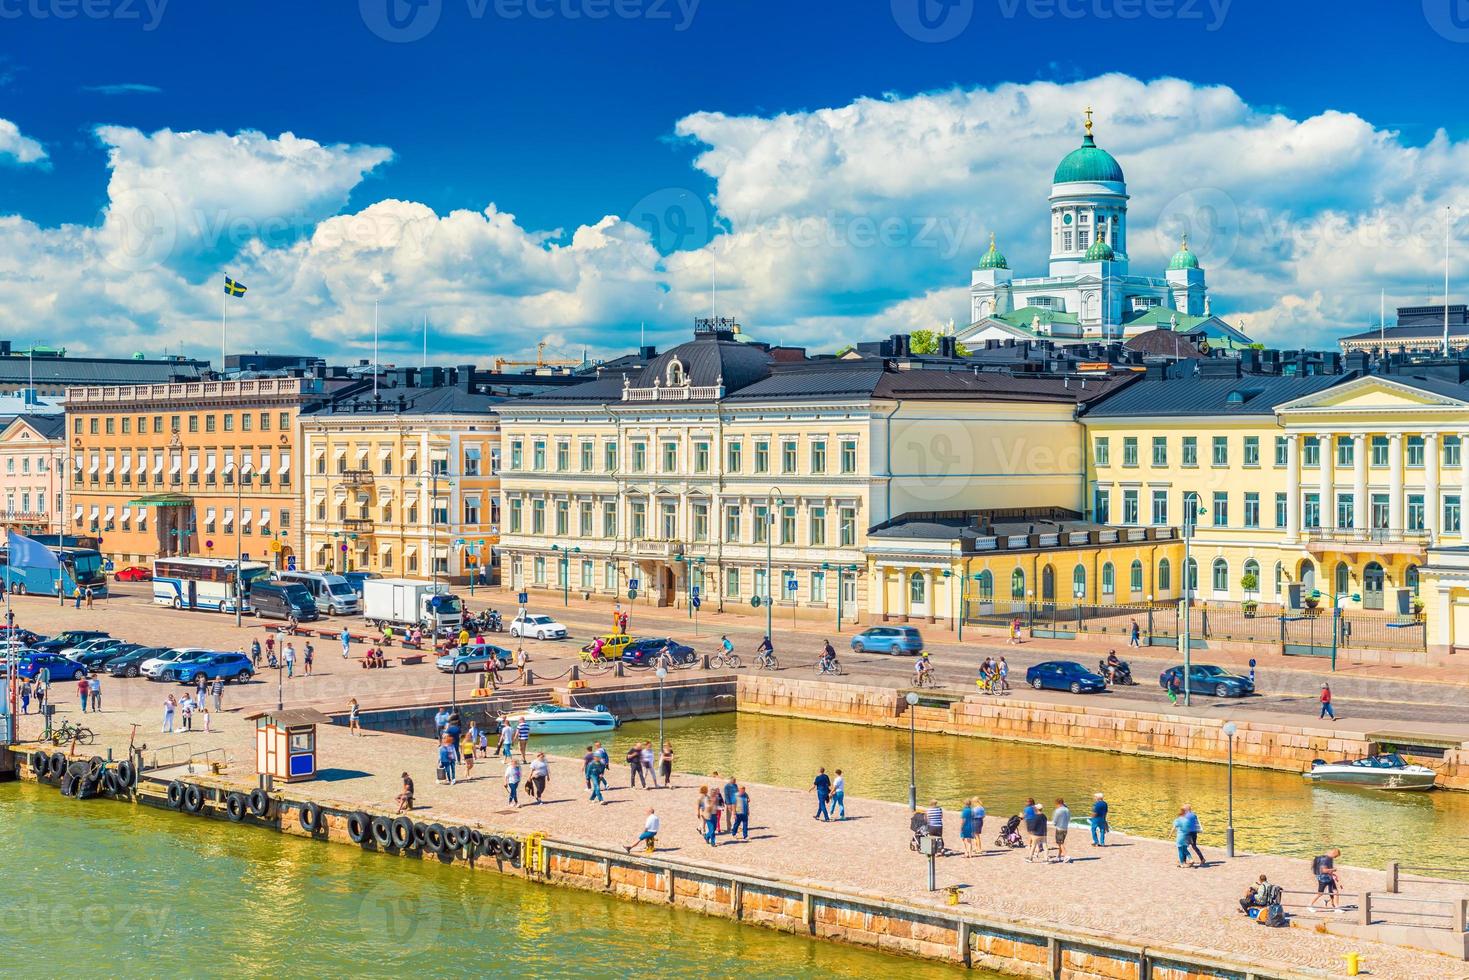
[[751, 118]]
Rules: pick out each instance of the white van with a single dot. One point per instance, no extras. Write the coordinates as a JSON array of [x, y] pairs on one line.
[[334, 595]]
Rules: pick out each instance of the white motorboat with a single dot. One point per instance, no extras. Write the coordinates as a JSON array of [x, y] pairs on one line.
[[553, 719], [1386, 770]]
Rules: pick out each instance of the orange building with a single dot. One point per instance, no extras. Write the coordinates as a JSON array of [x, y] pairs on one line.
[[193, 468]]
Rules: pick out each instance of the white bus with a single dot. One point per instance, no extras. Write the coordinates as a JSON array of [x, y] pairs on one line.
[[334, 595], [205, 583]]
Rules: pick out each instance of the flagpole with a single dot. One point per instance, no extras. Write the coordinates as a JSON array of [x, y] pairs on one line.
[[224, 299], [374, 350], [425, 340]]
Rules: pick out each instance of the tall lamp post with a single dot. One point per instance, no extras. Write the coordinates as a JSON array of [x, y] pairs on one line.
[[1229, 730], [964, 601], [771, 502], [1190, 514], [565, 560], [239, 560], [471, 548], [1336, 598], [692, 601], [841, 571], [912, 699], [661, 673]]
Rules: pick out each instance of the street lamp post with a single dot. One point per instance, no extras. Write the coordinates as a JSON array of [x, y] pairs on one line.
[[1190, 513], [841, 571], [1229, 730], [690, 599], [912, 699], [661, 672], [565, 560], [771, 502], [1336, 598]]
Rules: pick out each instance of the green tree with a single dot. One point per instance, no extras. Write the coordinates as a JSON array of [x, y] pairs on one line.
[[925, 341]]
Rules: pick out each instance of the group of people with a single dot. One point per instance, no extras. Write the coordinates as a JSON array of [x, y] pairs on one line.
[[1030, 829], [184, 709], [287, 655], [38, 689], [994, 675], [1186, 830], [723, 809]]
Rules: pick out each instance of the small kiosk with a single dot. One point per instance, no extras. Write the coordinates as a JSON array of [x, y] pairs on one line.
[[285, 743]]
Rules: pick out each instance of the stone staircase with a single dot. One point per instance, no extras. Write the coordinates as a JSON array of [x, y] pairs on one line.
[[513, 699]]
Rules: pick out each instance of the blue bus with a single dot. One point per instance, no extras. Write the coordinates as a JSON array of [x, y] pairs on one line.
[[79, 567]]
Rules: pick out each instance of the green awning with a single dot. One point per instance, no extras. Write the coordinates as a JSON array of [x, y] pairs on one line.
[[163, 500]]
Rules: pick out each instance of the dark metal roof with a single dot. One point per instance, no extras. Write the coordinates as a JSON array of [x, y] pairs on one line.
[[708, 360], [605, 389], [1250, 394], [92, 371], [444, 400], [1437, 386], [1170, 343], [48, 426]]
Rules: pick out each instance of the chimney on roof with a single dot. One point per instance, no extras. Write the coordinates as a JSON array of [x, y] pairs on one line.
[[647, 352], [466, 377], [402, 404]]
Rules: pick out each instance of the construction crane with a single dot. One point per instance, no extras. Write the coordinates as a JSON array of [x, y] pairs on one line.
[[541, 360]]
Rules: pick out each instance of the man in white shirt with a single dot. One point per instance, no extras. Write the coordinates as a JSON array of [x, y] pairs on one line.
[[649, 835]]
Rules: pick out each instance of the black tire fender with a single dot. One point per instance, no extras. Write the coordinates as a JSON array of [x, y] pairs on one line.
[[466, 839], [95, 765], [234, 806], [435, 837], [358, 826], [491, 846], [112, 783], [68, 785], [382, 831], [510, 850], [40, 763], [259, 802], [125, 772], [57, 764], [420, 835], [312, 818], [402, 833], [476, 842], [175, 794], [193, 799]]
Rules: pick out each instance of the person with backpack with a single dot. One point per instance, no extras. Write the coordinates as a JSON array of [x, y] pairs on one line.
[[1258, 895]]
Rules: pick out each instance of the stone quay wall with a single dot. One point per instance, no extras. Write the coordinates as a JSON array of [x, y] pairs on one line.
[[1170, 736]]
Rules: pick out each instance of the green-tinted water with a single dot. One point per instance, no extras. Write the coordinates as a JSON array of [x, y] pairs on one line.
[[105, 889], [1275, 812]]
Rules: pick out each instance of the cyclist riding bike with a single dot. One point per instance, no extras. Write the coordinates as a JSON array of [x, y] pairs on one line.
[[828, 657], [923, 669], [725, 645], [765, 653]]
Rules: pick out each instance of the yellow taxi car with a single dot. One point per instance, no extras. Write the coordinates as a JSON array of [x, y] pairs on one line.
[[612, 646]]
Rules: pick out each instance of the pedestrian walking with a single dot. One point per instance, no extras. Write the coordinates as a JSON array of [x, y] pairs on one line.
[[405, 797], [1134, 634], [1099, 821], [76, 595], [650, 772], [217, 692], [186, 711], [290, 656], [839, 796], [309, 654], [346, 643], [521, 659], [204, 710], [94, 685], [666, 764], [933, 819], [1015, 630], [170, 704], [255, 654], [604, 758], [821, 786], [270, 649], [507, 739], [199, 688], [448, 758], [540, 774], [89, 597], [596, 769], [522, 737], [966, 828], [1175, 688], [635, 767], [741, 824], [1195, 827], [649, 836], [1328, 881], [709, 814], [82, 691], [25, 697], [1060, 825], [354, 717], [1181, 838], [730, 794], [512, 783], [1003, 674], [1326, 709]]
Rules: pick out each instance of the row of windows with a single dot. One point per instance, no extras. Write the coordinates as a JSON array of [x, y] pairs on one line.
[[586, 576], [473, 462], [764, 456], [438, 512], [1415, 451], [25, 464], [663, 523], [25, 497], [1218, 513], [131, 520], [985, 582], [211, 422], [327, 553]]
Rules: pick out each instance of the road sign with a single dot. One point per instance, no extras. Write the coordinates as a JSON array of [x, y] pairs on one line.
[[694, 592], [695, 601], [523, 598], [790, 585], [632, 583], [755, 601], [632, 593]]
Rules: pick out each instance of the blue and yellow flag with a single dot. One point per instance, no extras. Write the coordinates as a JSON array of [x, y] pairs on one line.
[[232, 288]]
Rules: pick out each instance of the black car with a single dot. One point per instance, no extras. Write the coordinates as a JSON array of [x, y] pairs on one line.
[[645, 652], [1208, 679], [99, 655], [67, 640], [129, 664], [24, 636]]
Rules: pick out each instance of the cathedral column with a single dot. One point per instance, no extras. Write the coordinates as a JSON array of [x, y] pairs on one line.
[[1395, 482], [1326, 456], [1361, 508], [1430, 485], [1293, 488]]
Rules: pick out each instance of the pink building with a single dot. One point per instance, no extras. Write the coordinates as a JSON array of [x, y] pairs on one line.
[[32, 452]]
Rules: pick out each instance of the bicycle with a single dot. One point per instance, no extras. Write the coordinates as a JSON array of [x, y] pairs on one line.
[[832, 666], [722, 659], [925, 678], [68, 732], [766, 661]]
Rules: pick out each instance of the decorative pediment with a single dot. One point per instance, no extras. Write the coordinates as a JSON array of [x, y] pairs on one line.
[[1376, 394]]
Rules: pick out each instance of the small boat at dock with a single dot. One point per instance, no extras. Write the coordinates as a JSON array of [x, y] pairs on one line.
[[1386, 770], [554, 719]]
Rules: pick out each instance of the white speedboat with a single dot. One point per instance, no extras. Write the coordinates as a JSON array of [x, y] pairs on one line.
[[1387, 770], [553, 719]]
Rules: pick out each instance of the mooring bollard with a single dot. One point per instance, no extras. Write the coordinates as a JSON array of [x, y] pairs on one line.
[[704, 662], [575, 672], [530, 677]]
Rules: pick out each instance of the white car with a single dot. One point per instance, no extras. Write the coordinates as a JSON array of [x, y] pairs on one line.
[[152, 668], [540, 627]]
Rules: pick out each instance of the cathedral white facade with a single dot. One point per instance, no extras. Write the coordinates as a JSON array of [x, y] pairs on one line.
[[1091, 292]]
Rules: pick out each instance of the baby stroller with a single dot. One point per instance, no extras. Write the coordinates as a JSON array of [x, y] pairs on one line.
[[1010, 834], [919, 826]]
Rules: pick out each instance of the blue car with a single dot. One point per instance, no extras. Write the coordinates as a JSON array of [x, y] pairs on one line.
[[1208, 679], [210, 666], [1064, 675], [476, 656], [57, 666], [889, 639]]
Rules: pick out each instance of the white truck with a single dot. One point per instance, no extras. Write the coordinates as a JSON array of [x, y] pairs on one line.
[[405, 602]]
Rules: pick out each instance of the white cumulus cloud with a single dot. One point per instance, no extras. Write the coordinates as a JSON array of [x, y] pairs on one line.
[[18, 147]]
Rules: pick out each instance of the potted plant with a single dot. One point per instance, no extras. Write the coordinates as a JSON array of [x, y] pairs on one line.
[[1249, 582], [1417, 606]]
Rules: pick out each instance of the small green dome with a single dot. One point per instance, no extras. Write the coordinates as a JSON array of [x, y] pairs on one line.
[[1088, 162], [1099, 252], [993, 259], [1183, 258]]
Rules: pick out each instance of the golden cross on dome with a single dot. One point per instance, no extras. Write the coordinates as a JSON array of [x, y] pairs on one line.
[[1088, 120]]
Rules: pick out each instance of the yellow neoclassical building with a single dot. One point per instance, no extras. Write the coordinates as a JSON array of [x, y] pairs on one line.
[[749, 473]]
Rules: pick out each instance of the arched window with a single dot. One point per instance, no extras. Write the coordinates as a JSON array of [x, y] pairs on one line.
[[1165, 576], [676, 373], [1017, 584], [1048, 584], [984, 584], [1307, 577], [1410, 578], [1279, 579], [1135, 577], [1220, 575], [1251, 575], [1191, 575], [1343, 578], [1109, 579], [917, 591], [1078, 580]]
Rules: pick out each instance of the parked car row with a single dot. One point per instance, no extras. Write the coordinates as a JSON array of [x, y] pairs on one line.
[[75, 654]]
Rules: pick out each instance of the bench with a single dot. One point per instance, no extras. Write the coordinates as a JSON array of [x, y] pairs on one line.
[[409, 659]]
